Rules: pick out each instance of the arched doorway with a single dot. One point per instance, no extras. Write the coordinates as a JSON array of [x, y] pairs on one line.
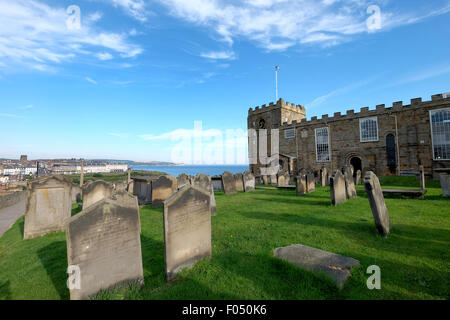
[[357, 165], [390, 153]]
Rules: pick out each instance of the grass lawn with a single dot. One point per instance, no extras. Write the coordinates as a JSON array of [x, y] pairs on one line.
[[414, 259]]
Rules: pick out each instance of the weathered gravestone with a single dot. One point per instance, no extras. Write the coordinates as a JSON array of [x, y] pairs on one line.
[[187, 229], [96, 191], [301, 188], [203, 182], [217, 183], [310, 182], [104, 244], [120, 185], [273, 179], [283, 179], [422, 178], [335, 266], [229, 183], [239, 179], [323, 177], [163, 188], [358, 177], [142, 188], [249, 181], [265, 180], [182, 180], [445, 184], [377, 204], [349, 182], [76, 193], [49, 205], [337, 188]]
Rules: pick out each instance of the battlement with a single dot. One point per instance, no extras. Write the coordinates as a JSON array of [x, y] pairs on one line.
[[280, 104], [365, 111]]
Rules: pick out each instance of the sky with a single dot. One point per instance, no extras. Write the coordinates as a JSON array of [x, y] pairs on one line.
[[173, 80]]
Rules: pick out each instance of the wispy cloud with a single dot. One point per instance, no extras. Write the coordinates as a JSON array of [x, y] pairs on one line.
[[280, 24], [135, 8], [104, 56], [29, 106], [10, 115], [436, 71], [36, 35], [219, 55], [91, 80]]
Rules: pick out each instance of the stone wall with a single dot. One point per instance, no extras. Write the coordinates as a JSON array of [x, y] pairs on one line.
[[10, 199]]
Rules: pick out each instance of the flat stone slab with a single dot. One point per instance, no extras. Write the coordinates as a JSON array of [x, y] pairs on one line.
[[335, 266]]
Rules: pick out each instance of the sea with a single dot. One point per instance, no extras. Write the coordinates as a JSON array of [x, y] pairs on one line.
[[192, 170]]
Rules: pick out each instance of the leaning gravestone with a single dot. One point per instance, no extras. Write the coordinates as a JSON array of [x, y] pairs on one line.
[[323, 177], [377, 204], [349, 182], [249, 181], [96, 191], [49, 206], [103, 242], [301, 185], [187, 229], [358, 177], [335, 266], [239, 179], [337, 188], [445, 184], [229, 183], [203, 182], [163, 188], [182, 180], [310, 182]]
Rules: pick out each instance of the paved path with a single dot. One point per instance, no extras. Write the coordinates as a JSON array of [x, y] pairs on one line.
[[9, 215]]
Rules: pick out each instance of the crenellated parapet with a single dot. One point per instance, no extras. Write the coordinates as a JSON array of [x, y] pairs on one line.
[[280, 104], [379, 109]]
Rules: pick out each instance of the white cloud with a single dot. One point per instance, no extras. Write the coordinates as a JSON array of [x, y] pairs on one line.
[[280, 24], [219, 55], [9, 115], [30, 106], [104, 56], [119, 135], [35, 35], [91, 80], [134, 8]]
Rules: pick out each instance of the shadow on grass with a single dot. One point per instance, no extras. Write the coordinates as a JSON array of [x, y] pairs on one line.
[[22, 227], [54, 259], [5, 291]]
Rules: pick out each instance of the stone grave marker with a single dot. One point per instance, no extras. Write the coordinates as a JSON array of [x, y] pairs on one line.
[[229, 183], [182, 180], [76, 193], [142, 188], [377, 204], [103, 242], [310, 182], [323, 177], [239, 179], [265, 180], [301, 188], [337, 188], [249, 181], [445, 184], [203, 182], [358, 177], [217, 183], [49, 206], [163, 188], [349, 182], [187, 229], [96, 191]]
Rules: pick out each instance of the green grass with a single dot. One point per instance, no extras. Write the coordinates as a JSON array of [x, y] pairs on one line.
[[414, 259]]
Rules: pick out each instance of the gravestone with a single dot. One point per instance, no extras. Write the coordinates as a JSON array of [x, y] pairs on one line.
[[328, 178], [49, 206], [310, 182], [163, 188], [96, 191], [377, 204], [335, 266], [273, 180], [76, 193], [120, 185], [323, 177], [187, 229], [182, 180], [445, 184], [104, 242], [265, 180], [349, 182], [142, 188], [239, 179], [229, 183], [283, 179], [203, 182], [249, 181], [301, 188], [337, 188], [217, 183], [358, 177]]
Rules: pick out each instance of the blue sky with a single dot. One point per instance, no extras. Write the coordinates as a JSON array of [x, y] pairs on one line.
[[130, 82]]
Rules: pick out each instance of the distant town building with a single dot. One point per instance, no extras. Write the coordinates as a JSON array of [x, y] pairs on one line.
[[23, 158]]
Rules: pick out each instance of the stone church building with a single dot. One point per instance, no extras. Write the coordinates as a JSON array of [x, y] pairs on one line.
[[388, 140]]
